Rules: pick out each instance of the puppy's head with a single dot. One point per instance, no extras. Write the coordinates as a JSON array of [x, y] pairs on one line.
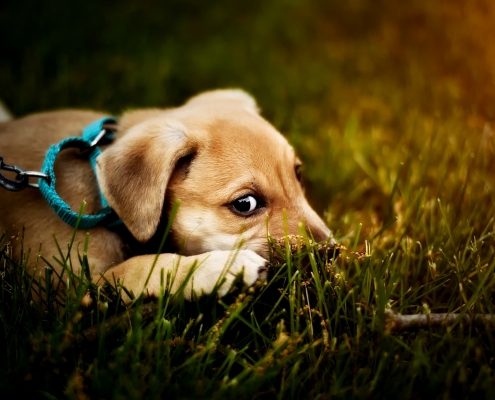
[[236, 178]]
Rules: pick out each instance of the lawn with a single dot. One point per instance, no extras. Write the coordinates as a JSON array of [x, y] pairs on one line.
[[392, 109]]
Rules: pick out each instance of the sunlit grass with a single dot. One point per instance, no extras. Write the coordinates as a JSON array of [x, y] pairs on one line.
[[317, 327]]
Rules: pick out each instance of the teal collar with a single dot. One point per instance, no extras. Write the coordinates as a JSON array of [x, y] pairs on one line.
[[95, 133]]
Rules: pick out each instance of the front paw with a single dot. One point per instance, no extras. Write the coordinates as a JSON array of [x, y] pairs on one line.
[[217, 270]]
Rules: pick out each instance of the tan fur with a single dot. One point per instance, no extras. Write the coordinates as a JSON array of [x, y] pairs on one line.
[[234, 152]]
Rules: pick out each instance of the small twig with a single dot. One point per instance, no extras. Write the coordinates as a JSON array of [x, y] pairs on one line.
[[399, 322]]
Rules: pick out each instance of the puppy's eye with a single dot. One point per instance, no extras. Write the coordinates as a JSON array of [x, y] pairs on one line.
[[246, 205], [298, 171]]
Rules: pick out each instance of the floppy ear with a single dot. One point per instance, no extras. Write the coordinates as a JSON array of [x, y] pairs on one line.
[[134, 172], [236, 97]]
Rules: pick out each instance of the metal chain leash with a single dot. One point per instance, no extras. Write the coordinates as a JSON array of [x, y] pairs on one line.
[[22, 178]]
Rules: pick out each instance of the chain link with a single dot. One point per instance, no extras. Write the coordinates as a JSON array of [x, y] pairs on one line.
[[22, 178]]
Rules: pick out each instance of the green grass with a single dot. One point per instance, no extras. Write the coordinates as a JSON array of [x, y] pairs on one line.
[[390, 107]]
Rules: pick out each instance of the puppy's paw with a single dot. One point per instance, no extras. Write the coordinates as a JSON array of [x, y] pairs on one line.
[[218, 270]]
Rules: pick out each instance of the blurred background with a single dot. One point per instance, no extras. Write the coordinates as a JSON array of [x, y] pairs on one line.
[[329, 74], [317, 57]]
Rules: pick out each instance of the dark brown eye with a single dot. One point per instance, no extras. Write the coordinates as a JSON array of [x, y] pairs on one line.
[[298, 171], [246, 205]]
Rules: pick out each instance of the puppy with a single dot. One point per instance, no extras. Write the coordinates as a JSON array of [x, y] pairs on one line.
[[235, 178]]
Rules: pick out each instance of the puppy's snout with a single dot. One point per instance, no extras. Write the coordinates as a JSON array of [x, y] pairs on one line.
[[316, 228], [319, 234]]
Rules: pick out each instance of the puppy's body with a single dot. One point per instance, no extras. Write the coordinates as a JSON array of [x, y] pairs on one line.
[[231, 171]]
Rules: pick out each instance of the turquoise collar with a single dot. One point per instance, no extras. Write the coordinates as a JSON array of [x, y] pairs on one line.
[[95, 133]]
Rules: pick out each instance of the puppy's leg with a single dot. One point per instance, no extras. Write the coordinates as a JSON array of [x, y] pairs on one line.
[[196, 275]]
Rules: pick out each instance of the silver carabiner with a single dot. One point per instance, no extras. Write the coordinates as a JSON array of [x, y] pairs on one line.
[[98, 137], [34, 174], [107, 129]]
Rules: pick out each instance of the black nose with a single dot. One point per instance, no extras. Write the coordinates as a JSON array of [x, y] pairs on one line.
[[320, 234], [326, 246]]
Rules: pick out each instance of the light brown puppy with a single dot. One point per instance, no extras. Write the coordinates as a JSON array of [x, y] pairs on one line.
[[235, 177]]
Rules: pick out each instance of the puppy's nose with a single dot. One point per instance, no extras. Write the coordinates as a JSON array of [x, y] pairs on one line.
[[319, 234], [317, 228]]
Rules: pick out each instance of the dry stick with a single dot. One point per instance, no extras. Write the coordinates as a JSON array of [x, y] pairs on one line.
[[399, 322]]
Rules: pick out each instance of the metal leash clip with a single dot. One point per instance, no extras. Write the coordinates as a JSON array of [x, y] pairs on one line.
[[105, 136], [22, 178]]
